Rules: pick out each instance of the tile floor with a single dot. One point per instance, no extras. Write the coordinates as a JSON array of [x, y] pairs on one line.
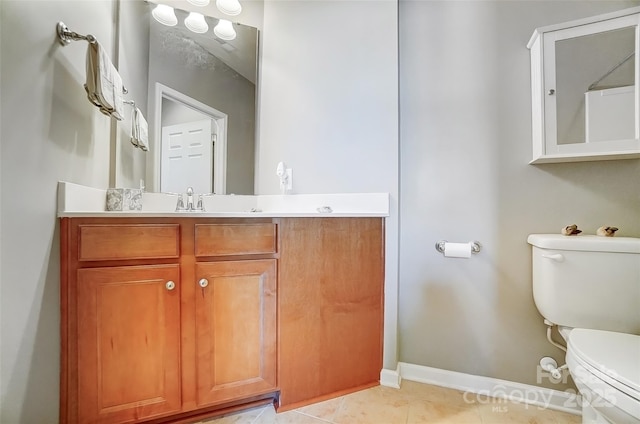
[[412, 404]]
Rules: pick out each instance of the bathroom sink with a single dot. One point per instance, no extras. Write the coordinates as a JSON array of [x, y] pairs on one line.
[[159, 202]]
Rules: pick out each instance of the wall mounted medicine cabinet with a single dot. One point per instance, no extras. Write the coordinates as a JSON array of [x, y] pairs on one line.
[[585, 89]]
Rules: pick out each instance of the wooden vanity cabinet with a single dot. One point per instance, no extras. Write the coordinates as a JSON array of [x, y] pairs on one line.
[[144, 339], [178, 319], [330, 296]]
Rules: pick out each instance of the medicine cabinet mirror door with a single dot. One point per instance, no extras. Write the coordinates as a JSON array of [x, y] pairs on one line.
[[589, 92]]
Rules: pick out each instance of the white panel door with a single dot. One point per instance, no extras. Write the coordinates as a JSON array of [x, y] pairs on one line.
[[187, 157]]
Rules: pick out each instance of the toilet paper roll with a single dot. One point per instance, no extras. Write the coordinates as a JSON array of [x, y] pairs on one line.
[[457, 250]]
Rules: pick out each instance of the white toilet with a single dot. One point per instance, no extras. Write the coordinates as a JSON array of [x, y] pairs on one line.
[[589, 287]]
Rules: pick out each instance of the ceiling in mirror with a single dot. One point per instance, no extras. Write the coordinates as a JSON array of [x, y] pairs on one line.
[[233, 43]]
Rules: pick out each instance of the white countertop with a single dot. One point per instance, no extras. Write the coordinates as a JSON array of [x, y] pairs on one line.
[[77, 201]]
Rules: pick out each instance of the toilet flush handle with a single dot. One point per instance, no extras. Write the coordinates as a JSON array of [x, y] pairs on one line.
[[554, 257]]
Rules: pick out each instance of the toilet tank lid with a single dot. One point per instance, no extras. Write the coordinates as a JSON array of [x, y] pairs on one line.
[[587, 243]]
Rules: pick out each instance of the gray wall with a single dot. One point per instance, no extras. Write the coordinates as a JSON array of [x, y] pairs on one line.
[[49, 131], [174, 113], [465, 145]]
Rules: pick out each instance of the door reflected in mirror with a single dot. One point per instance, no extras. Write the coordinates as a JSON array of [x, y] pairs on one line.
[[190, 141]]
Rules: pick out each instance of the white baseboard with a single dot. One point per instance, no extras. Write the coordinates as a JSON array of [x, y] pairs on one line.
[[391, 378], [483, 388]]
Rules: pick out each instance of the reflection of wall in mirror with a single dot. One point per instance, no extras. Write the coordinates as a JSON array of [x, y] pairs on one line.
[[129, 165], [181, 64], [580, 62]]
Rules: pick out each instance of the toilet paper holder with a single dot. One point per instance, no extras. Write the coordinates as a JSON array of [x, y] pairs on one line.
[[475, 246]]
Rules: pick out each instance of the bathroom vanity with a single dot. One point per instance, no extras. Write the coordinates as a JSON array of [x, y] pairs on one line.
[[177, 317]]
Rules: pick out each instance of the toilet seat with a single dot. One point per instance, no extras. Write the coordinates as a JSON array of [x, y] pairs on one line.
[[607, 364], [610, 356]]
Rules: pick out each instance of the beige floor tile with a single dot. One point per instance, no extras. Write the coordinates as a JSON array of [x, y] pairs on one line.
[[378, 405], [419, 391], [325, 410], [565, 418], [244, 417], [414, 403], [423, 411], [504, 412]]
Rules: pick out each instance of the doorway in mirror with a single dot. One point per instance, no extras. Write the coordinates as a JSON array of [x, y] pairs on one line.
[[187, 156], [192, 144]]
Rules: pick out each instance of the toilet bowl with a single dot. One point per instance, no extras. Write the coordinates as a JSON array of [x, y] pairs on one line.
[[605, 366]]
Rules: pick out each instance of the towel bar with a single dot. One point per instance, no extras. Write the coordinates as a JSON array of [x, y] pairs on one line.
[[66, 36]]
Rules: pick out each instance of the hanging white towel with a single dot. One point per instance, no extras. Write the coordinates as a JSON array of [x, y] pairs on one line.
[[139, 130], [118, 102], [92, 66], [103, 83]]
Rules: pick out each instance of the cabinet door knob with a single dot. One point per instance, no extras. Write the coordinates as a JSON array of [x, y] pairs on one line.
[[203, 282], [551, 92], [170, 285]]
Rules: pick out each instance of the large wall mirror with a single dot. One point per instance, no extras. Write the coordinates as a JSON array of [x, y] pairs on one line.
[[201, 100], [585, 89]]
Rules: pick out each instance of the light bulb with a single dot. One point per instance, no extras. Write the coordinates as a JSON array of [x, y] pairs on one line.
[[195, 22], [224, 30], [229, 7], [165, 15], [200, 3]]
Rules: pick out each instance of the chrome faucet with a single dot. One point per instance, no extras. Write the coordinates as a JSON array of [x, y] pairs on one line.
[[190, 199], [180, 206]]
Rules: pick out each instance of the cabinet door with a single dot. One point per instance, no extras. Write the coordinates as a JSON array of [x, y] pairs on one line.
[[128, 343], [235, 329], [330, 295]]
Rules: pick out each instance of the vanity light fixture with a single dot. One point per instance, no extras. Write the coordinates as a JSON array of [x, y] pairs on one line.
[[229, 7], [224, 30], [165, 15], [195, 22], [200, 3]]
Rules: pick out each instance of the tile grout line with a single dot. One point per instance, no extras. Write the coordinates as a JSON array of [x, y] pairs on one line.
[[255, 420], [338, 409], [312, 416], [332, 419]]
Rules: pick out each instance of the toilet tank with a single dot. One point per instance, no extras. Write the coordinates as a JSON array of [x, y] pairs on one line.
[[587, 281]]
